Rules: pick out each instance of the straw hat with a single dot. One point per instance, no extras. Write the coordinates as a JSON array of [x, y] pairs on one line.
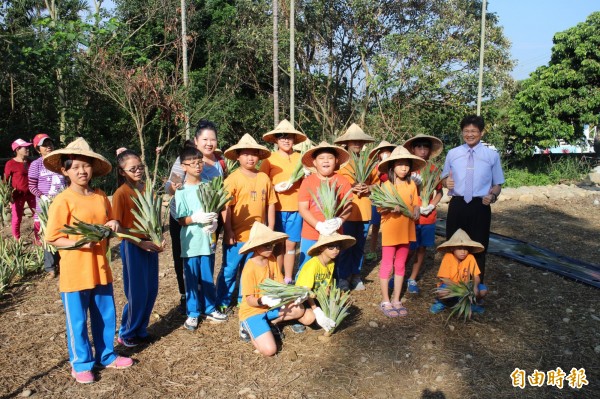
[[354, 133], [460, 239], [79, 146], [261, 235], [384, 145], [284, 127], [341, 154], [344, 242], [247, 142], [401, 153], [436, 144]]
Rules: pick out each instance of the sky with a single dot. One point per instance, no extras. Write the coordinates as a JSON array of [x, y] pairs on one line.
[[531, 24]]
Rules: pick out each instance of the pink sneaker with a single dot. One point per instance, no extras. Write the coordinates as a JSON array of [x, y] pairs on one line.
[[83, 377], [121, 362]]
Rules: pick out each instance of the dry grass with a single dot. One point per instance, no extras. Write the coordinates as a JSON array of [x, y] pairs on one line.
[[533, 320]]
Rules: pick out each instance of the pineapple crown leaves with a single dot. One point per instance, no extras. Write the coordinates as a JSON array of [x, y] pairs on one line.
[[148, 219], [362, 165], [464, 292], [327, 196], [92, 233], [431, 178]]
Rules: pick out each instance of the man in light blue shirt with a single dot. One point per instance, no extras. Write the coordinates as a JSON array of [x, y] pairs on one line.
[[473, 174]]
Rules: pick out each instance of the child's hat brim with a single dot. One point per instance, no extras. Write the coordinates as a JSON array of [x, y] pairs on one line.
[[247, 142], [354, 133], [436, 144], [401, 153], [342, 155], [79, 146], [344, 241], [261, 235], [461, 239], [284, 127]]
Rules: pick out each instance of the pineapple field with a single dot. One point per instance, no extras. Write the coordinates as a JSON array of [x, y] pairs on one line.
[[534, 322]]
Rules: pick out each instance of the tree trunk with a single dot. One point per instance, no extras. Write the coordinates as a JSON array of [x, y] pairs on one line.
[[275, 63]]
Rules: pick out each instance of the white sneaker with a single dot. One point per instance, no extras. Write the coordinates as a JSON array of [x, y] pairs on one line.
[[357, 284], [191, 323], [216, 317]]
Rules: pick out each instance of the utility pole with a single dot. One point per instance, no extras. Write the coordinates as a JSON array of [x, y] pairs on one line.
[[292, 61], [275, 63], [481, 51], [185, 67]]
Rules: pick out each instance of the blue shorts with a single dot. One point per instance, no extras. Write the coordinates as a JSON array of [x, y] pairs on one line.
[[425, 236], [258, 324], [375, 216], [289, 223]]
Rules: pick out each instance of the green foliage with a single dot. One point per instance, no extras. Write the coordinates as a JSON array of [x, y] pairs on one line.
[[17, 260], [557, 100], [543, 170]]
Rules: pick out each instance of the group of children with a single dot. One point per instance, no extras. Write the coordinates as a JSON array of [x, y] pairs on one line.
[[268, 216]]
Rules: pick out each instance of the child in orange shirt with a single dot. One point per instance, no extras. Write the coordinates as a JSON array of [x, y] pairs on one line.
[[255, 317], [253, 201], [357, 225], [458, 264], [279, 167], [426, 147], [140, 261], [325, 159], [397, 230], [85, 277]]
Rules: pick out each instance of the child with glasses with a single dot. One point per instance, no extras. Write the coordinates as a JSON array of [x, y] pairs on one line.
[[140, 260], [196, 249]]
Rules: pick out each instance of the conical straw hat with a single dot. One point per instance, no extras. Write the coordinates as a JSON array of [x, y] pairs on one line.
[[261, 235], [247, 142], [384, 145], [100, 165], [284, 127], [335, 238], [341, 154], [436, 144], [354, 133], [460, 239], [401, 153]]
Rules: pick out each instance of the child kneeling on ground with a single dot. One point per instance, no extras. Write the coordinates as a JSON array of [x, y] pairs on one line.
[[255, 316], [318, 271], [458, 264]]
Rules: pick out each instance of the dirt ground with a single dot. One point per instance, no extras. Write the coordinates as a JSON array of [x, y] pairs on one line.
[[534, 320]]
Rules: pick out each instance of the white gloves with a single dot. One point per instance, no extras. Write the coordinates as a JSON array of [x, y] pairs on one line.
[[306, 172], [416, 177], [283, 186], [212, 227], [203, 217], [325, 228], [426, 210], [301, 299], [334, 223], [323, 320], [270, 301], [44, 198]]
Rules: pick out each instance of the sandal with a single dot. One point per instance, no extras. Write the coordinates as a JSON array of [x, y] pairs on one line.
[[400, 309], [388, 309]]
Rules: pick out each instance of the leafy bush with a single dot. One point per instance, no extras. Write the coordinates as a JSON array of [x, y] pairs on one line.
[[17, 260], [541, 171]]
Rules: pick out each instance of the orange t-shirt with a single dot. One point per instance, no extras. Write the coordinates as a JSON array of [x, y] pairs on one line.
[[80, 269], [311, 184], [361, 206], [122, 204], [432, 217], [279, 168], [395, 227], [251, 198], [458, 271], [252, 275]]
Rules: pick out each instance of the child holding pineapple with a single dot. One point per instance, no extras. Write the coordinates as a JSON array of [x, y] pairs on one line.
[[280, 168], [325, 159], [196, 249], [85, 277], [253, 201], [318, 271], [140, 260], [459, 265], [361, 174], [255, 316], [426, 147], [397, 225]]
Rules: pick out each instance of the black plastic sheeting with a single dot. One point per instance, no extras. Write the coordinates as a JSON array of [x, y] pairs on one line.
[[541, 258]]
